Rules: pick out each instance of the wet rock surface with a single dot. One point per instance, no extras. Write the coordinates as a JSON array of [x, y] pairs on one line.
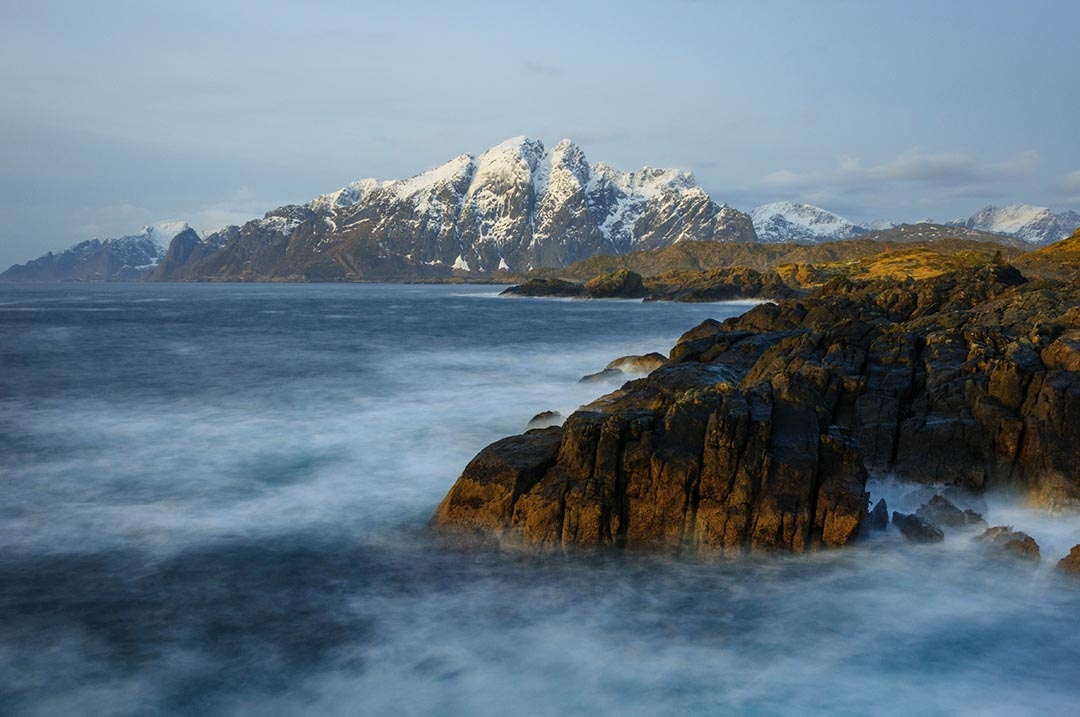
[[761, 430], [1071, 563], [917, 529], [879, 516], [941, 511], [544, 419], [1004, 542]]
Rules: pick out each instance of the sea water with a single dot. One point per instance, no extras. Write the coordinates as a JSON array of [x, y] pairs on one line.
[[214, 500]]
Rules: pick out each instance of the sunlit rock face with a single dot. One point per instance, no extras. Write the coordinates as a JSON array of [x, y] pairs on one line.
[[761, 431]]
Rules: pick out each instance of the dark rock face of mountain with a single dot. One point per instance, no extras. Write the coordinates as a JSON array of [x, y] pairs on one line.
[[126, 258], [515, 207], [760, 432]]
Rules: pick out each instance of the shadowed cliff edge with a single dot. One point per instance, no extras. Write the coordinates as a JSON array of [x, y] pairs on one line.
[[760, 432]]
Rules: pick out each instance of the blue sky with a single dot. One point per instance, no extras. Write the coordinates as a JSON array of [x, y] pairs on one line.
[[117, 114]]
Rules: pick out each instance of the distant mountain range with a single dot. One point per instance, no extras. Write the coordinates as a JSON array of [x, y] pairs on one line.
[[805, 223], [1035, 225], [516, 207], [781, 222], [126, 258]]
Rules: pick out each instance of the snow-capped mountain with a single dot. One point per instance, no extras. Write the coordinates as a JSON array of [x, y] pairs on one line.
[[794, 222], [123, 258], [1036, 225], [514, 207]]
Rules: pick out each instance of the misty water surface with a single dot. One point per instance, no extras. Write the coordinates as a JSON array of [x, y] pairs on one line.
[[213, 500]]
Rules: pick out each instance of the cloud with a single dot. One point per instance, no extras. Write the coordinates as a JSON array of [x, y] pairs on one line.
[[783, 178], [539, 69], [243, 206], [1022, 165], [916, 178], [1072, 182], [115, 220], [919, 167], [940, 168]]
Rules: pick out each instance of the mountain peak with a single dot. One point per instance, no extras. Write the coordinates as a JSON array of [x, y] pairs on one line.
[[796, 222], [514, 206], [162, 233], [1037, 225]]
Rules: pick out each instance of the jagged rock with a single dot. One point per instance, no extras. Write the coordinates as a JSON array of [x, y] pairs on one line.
[[879, 516], [941, 511], [640, 365], [1071, 563], [760, 431], [1003, 541], [916, 529], [545, 419]]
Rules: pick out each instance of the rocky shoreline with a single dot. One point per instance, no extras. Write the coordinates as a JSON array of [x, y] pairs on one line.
[[760, 433]]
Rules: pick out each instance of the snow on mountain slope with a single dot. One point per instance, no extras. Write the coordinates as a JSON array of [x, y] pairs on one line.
[[1037, 225], [515, 206], [161, 234], [795, 222]]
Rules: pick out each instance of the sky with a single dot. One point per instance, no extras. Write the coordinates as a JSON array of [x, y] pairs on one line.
[[118, 114]]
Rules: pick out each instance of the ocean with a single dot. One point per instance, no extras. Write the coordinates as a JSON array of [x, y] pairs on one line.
[[214, 499]]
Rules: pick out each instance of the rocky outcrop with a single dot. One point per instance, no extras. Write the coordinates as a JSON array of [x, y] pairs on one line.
[[1003, 542], [544, 419], [621, 284], [638, 364], [917, 529], [760, 431], [694, 286], [683, 458], [539, 287], [879, 516], [1070, 564], [942, 512]]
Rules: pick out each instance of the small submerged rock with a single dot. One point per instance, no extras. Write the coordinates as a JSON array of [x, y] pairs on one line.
[[608, 374], [941, 511], [879, 516], [641, 365], [627, 367], [1004, 542], [916, 529]]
